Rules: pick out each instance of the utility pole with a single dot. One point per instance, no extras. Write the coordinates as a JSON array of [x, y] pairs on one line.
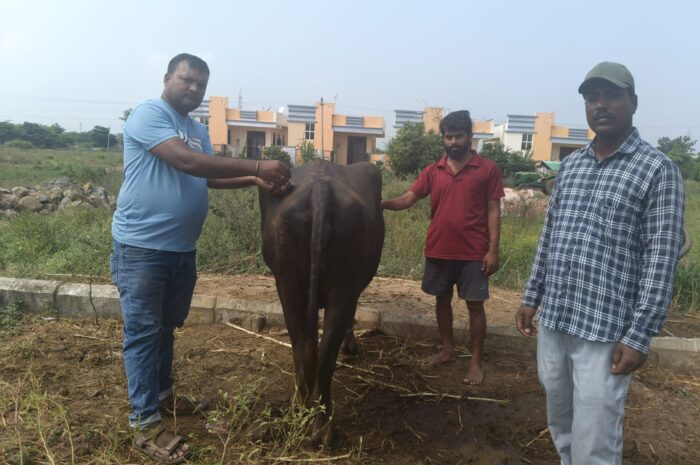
[[322, 155], [108, 128]]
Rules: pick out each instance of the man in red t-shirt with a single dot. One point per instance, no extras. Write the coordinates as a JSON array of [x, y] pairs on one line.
[[461, 247]]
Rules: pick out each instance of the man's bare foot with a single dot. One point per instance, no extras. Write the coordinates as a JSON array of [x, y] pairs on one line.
[[475, 375], [446, 355]]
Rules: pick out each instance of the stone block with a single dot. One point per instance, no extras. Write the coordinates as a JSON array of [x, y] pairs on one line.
[[88, 301], [367, 318], [201, 309], [35, 295], [414, 326], [676, 344]]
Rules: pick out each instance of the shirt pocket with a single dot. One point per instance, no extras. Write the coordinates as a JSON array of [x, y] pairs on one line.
[[619, 219]]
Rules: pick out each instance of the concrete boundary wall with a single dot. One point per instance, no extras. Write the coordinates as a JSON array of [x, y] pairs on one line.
[[99, 301]]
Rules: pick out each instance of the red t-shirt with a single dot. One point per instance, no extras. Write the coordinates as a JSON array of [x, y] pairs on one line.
[[458, 227]]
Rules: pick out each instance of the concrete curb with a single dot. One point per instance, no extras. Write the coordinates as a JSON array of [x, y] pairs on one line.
[[99, 301]]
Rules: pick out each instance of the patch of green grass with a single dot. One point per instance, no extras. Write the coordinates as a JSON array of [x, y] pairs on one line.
[[230, 240], [402, 255], [686, 296], [70, 241], [519, 238], [78, 242], [10, 319], [29, 167], [23, 349]]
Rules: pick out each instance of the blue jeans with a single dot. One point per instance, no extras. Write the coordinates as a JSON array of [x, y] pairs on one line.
[[155, 292], [585, 402]]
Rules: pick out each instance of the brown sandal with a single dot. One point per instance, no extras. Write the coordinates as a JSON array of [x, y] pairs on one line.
[[182, 405], [146, 442]]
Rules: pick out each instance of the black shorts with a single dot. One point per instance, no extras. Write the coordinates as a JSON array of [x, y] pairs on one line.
[[441, 275]]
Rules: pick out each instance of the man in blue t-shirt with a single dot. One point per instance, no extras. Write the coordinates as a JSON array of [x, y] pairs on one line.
[[162, 205]]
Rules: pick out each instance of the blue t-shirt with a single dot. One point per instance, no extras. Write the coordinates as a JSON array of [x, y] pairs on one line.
[[160, 207]]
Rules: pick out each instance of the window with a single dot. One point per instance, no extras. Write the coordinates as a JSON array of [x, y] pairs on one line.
[[309, 131], [527, 142]]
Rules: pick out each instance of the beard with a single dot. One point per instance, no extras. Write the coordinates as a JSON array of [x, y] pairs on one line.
[[457, 153]]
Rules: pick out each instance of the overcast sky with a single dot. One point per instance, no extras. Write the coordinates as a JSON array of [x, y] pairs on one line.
[[81, 63]]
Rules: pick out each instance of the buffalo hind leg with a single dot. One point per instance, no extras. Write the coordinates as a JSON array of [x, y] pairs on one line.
[[337, 322], [303, 333], [305, 354], [349, 346]]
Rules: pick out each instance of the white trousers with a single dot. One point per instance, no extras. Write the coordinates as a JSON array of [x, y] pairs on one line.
[[585, 402]]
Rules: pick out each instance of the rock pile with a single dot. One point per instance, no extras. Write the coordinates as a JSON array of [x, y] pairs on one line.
[[526, 202], [53, 195]]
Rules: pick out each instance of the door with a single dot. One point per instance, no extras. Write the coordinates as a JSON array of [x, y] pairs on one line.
[[255, 141], [566, 151], [357, 149]]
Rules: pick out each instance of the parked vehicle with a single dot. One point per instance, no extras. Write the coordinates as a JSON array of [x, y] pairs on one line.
[[542, 179]]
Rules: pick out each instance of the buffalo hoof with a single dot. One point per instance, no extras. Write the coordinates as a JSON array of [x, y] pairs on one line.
[[326, 438], [351, 350]]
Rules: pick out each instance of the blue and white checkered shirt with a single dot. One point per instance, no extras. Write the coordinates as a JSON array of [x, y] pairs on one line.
[[609, 247]]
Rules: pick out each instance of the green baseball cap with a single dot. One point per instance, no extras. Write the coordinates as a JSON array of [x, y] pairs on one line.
[[614, 73]]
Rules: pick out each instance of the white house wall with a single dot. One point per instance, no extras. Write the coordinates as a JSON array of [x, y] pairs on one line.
[[513, 140]]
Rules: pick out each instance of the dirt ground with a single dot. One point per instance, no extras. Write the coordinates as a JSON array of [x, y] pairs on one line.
[[390, 295], [63, 397], [398, 296]]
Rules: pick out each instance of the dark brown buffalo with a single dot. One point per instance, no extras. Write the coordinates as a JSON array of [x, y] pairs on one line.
[[322, 241]]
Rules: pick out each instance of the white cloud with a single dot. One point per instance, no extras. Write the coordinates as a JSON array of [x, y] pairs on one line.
[[14, 43]]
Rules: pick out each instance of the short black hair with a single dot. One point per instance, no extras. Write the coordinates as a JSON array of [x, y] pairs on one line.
[[456, 121], [194, 62]]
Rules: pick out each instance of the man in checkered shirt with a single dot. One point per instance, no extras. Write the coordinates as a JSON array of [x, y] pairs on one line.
[[603, 273]]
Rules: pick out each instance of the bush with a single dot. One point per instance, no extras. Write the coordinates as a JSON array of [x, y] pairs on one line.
[[276, 153], [19, 144], [307, 151], [411, 149], [509, 161], [680, 151], [84, 173]]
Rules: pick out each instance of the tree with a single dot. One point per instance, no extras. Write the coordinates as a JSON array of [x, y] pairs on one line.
[[40, 135], [680, 151], [308, 151], [9, 131], [100, 137], [681, 144], [125, 114], [509, 161], [276, 153], [411, 149]]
